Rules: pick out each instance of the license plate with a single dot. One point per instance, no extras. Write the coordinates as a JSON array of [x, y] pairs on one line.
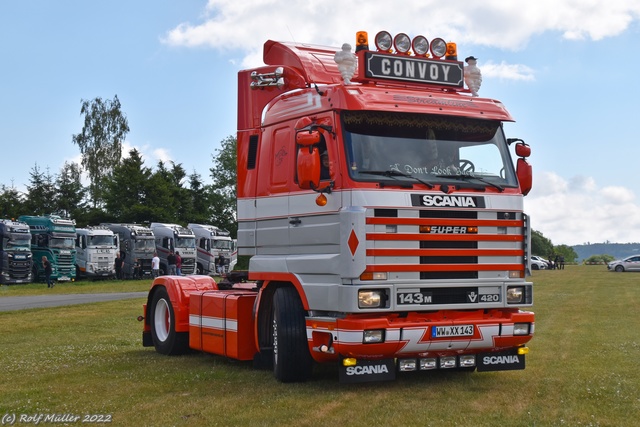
[[451, 331]]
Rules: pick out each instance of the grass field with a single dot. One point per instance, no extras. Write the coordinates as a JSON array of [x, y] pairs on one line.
[[88, 359]]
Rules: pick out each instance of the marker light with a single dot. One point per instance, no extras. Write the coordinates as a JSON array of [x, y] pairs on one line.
[[438, 48], [321, 200], [452, 52], [420, 46], [383, 41], [362, 41], [402, 43]]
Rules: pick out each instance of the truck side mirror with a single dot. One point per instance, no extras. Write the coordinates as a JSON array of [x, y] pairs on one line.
[[308, 159], [525, 176]]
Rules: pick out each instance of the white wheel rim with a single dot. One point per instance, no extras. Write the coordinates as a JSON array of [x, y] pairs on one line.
[[161, 320]]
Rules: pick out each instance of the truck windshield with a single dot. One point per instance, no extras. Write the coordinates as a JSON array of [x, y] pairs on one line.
[[101, 241], [62, 243], [186, 242], [17, 243], [222, 244], [425, 148], [145, 244]]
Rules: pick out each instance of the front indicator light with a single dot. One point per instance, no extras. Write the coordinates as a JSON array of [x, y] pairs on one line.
[[370, 298], [373, 336], [373, 276], [523, 350], [521, 329], [515, 295], [516, 274]]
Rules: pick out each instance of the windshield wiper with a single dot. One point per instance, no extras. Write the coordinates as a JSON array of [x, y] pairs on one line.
[[391, 173], [468, 177]]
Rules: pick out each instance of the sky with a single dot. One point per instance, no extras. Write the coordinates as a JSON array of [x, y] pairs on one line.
[[565, 69]]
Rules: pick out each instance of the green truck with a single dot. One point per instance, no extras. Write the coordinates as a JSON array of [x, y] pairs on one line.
[[53, 237]]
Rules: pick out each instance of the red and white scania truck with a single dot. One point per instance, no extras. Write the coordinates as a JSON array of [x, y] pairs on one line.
[[383, 213]]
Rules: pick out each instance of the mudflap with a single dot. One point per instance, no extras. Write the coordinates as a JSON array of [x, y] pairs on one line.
[[508, 360], [368, 370], [147, 341]]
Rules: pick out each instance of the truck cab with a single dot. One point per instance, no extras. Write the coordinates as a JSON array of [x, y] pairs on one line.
[[212, 243], [53, 237], [138, 244], [96, 249], [172, 238], [16, 258]]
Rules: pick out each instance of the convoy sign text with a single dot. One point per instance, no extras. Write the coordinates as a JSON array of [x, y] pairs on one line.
[[422, 70]]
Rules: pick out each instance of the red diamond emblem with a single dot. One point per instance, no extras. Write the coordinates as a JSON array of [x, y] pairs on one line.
[[353, 242]]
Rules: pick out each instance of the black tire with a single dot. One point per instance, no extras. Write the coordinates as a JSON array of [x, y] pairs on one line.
[[619, 268], [535, 267], [291, 359], [162, 320]]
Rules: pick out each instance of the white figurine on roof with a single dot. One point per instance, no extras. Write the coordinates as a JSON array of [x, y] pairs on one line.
[[346, 61], [472, 75]]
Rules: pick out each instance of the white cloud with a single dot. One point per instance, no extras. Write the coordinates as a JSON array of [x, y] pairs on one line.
[[577, 211], [506, 71], [234, 25]]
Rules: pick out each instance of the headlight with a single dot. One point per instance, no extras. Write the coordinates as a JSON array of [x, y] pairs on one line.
[[515, 295], [383, 41], [420, 45], [371, 298], [438, 48], [373, 336], [402, 43], [521, 329]]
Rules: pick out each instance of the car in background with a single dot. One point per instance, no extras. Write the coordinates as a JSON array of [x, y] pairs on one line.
[[631, 263], [538, 263]]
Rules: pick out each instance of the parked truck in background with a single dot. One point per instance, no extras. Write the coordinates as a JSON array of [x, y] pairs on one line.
[[55, 238], [15, 252], [138, 244], [176, 238], [383, 215], [211, 242], [96, 249]]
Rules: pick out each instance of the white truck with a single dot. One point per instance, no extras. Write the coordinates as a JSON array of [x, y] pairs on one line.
[[96, 249], [176, 238], [211, 242]]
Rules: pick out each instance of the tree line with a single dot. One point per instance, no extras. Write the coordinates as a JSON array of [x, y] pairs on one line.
[[124, 189]]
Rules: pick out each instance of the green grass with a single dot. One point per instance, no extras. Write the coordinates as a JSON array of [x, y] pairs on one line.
[[581, 371]]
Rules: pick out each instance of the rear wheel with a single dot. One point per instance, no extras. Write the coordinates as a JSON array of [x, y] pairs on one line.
[[291, 359], [163, 326], [535, 267]]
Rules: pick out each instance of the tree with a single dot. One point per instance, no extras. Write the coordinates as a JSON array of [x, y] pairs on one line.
[[100, 141], [41, 193], [540, 245], [127, 191], [567, 252], [70, 192], [11, 202], [199, 195], [224, 187]]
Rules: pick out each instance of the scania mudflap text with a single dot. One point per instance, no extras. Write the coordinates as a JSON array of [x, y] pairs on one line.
[[383, 216]]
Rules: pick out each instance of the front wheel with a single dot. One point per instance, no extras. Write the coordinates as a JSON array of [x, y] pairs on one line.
[[619, 268], [291, 359], [163, 326]]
